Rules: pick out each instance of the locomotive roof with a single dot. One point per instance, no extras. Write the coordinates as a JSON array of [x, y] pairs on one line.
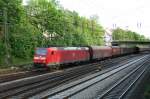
[[69, 48]]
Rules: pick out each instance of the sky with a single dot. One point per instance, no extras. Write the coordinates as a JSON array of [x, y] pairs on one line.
[[127, 14]]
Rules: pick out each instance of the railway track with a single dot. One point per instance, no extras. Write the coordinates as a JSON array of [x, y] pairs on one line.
[[96, 84], [34, 85], [14, 76], [30, 86], [112, 62], [120, 89], [19, 75]]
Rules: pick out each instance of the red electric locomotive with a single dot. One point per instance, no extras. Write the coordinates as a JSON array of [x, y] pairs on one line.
[[45, 57]]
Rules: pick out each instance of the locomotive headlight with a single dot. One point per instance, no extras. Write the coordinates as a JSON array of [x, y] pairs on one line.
[[43, 58], [36, 57], [39, 58]]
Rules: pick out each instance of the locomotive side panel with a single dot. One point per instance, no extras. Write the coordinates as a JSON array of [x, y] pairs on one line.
[[71, 56]]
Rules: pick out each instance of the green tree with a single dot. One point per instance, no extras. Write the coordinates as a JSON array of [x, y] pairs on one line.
[[120, 34], [42, 23]]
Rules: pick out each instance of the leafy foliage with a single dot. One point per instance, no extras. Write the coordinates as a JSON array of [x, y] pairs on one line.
[[120, 34], [43, 23]]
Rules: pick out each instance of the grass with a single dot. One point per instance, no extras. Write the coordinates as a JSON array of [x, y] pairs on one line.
[[14, 66], [14, 62]]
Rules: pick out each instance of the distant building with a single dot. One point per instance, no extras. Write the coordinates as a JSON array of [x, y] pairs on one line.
[[108, 36]]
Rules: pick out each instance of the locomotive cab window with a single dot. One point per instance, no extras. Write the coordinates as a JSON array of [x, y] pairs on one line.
[[41, 51]]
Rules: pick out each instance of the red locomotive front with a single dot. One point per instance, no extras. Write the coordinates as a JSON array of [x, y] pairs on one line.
[[40, 57]]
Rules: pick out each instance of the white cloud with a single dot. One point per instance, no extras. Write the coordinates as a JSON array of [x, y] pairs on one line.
[[123, 13]]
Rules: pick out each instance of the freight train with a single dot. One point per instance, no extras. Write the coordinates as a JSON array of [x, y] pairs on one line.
[[56, 56]]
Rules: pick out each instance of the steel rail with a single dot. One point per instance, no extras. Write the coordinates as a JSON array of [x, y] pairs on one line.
[[119, 82], [125, 92], [112, 72]]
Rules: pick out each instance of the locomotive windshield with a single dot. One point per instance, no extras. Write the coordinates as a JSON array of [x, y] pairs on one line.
[[41, 51]]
